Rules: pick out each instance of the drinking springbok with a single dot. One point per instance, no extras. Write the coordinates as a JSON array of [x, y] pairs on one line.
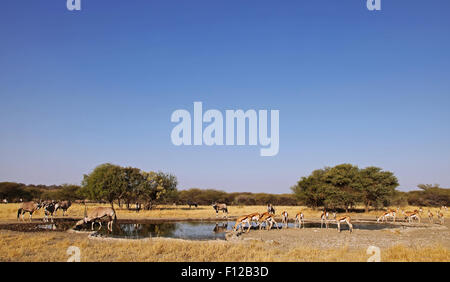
[[410, 216], [284, 218], [254, 217], [269, 219], [97, 214], [242, 221], [346, 219], [30, 207], [386, 215], [64, 205], [299, 219], [220, 207]]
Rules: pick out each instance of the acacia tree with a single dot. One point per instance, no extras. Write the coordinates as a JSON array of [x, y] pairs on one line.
[[345, 185], [156, 186], [312, 190], [377, 186], [105, 182], [111, 182], [342, 183]]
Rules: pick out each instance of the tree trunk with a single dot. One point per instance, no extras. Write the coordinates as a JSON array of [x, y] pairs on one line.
[[367, 206]]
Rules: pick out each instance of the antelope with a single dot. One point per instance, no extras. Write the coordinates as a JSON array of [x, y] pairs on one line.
[[284, 218], [411, 215], [346, 219], [97, 214], [384, 216], [430, 216], [254, 217], [324, 218], [221, 207], [29, 207], [268, 218], [190, 204], [299, 220], [242, 221], [440, 216], [64, 205], [270, 209], [49, 208]]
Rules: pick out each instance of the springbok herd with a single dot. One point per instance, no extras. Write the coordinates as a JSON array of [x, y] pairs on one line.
[[267, 218]]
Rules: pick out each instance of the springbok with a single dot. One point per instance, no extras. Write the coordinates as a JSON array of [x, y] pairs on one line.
[[411, 215], [30, 207], [346, 219], [254, 217], [268, 218], [220, 207], [270, 209], [385, 215], [64, 205], [97, 214], [430, 216], [284, 218], [324, 218], [440, 216], [242, 221], [299, 219]]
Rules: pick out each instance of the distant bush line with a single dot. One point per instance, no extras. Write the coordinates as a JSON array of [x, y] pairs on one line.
[[427, 196]]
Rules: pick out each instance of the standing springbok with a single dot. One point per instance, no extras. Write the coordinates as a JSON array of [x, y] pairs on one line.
[[346, 219], [430, 216], [64, 205], [29, 207], [269, 219], [440, 216], [220, 207], [299, 219], [97, 214], [324, 218], [270, 209], [284, 218]]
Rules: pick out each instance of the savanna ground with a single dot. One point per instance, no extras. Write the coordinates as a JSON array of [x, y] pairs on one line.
[[422, 242]]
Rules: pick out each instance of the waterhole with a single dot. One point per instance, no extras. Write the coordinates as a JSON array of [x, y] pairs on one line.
[[199, 230]]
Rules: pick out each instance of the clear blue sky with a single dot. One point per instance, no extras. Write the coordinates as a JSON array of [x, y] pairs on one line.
[[78, 89]]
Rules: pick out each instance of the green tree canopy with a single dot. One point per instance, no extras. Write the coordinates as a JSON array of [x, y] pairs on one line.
[[345, 185]]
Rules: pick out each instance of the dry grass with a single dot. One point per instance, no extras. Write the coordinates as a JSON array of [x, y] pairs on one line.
[[53, 246], [9, 212]]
